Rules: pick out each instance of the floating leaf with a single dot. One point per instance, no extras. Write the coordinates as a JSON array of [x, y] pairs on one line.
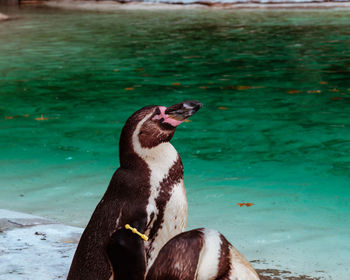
[[115, 70], [337, 98], [222, 108], [140, 69], [203, 87], [176, 84], [245, 204], [243, 87], [314, 91], [187, 120], [335, 90], [323, 82], [15, 117], [293, 91], [41, 118], [129, 88]]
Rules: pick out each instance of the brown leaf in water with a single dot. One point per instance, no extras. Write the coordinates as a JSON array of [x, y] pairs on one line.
[[293, 91], [203, 87], [337, 98], [245, 204], [187, 120], [222, 108], [129, 88], [335, 90], [17, 116], [176, 84], [243, 87], [41, 118], [323, 82], [140, 69], [249, 204], [314, 91], [115, 70]]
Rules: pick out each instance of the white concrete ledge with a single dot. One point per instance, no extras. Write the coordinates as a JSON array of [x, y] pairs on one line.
[[34, 248], [114, 5]]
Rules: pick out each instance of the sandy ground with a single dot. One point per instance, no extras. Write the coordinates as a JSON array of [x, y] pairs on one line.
[[113, 5], [35, 248]]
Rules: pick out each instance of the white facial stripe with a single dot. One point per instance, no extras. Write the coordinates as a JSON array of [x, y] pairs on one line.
[[210, 255]]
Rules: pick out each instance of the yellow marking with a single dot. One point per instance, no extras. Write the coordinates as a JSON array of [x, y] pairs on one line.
[[134, 230]]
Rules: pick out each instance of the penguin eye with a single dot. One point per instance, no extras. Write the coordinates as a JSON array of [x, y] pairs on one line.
[[157, 115]]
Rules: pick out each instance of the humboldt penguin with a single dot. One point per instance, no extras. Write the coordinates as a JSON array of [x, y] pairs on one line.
[[200, 254], [146, 191]]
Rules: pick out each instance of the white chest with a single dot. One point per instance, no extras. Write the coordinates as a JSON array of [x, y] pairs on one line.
[[173, 221]]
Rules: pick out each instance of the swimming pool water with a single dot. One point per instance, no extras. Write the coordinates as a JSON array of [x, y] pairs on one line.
[[274, 129]]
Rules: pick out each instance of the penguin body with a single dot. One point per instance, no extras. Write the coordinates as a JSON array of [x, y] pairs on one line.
[[200, 254], [147, 192]]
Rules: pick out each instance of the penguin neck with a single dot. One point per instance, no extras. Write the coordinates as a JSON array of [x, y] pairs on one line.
[[159, 158]]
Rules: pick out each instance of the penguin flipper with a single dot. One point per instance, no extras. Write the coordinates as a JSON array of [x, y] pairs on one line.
[[126, 252]]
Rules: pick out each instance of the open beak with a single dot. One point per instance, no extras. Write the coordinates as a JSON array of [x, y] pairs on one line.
[[183, 110]]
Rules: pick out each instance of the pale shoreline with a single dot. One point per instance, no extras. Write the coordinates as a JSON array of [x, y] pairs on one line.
[[115, 6], [36, 248]]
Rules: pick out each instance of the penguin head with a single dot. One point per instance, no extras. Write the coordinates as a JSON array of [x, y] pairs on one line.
[[153, 125], [159, 122]]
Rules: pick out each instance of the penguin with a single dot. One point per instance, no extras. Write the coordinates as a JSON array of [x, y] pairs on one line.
[[146, 191], [200, 254]]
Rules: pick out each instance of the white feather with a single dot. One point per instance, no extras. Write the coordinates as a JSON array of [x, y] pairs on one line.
[[171, 226], [207, 268]]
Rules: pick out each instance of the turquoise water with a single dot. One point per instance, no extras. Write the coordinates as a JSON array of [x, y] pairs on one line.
[[274, 129]]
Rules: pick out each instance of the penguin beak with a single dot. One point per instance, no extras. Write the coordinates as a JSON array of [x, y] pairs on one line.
[[183, 110]]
